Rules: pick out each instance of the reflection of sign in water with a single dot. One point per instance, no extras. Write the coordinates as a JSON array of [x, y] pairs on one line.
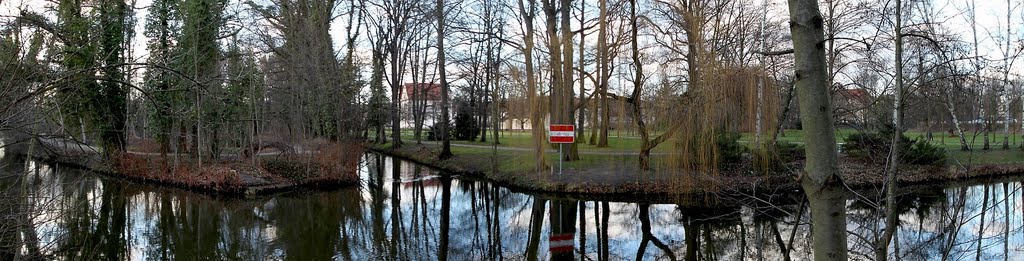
[[561, 243], [563, 228]]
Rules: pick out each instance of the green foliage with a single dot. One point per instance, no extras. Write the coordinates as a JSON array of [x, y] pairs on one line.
[[875, 147], [789, 151], [871, 146], [774, 157], [111, 98], [729, 148], [78, 61], [93, 96], [377, 109], [162, 27], [434, 133], [465, 125], [924, 153]]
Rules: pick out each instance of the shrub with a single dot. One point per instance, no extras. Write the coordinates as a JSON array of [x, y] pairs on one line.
[[925, 153], [875, 147], [465, 125], [434, 133], [729, 148], [333, 163], [774, 157], [789, 151], [867, 146], [287, 168]]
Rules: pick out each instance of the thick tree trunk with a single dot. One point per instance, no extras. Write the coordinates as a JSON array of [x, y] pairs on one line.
[[820, 179], [531, 87], [568, 96]]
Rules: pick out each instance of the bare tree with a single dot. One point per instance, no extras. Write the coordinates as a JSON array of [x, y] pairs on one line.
[[446, 146], [527, 14]]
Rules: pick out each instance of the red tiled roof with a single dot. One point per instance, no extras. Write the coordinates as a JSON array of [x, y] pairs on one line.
[[432, 91]]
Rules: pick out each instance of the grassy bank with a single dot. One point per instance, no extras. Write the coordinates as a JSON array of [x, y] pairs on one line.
[[629, 143], [618, 173]]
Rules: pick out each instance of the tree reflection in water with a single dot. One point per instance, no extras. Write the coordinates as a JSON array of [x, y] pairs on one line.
[[408, 212]]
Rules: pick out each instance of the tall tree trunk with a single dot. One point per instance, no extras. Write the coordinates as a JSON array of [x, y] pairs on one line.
[[759, 114], [964, 146], [581, 120], [985, 126], [1005, 97], [638, 85], [396, 93], [891, 180], [446, 143], [602, 73], [568, 96], [820, 179], [496, 113], [531, 87]]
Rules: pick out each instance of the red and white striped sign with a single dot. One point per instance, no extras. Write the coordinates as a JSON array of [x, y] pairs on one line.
[[561, 133], [561, 243]]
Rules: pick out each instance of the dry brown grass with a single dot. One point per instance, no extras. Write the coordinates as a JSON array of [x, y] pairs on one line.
[[328, 164], [217, 176]]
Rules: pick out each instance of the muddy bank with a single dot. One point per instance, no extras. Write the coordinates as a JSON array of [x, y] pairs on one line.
[[615, 180], [325, 166]]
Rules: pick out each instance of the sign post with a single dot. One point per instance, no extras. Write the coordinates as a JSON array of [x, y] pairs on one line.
[[561, 134]]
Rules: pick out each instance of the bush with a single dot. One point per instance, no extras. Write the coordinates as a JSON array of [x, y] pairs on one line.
[[925, 153], [875, 147], [775, 156], [868, 146], [729, 148], [333, 163], [789, 151], [287, 168], [434, 133], [465, 125]]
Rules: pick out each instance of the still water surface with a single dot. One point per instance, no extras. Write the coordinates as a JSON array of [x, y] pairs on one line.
[[404, 211]]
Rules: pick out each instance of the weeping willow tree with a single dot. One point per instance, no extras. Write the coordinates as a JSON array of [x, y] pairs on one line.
[[728, 101]]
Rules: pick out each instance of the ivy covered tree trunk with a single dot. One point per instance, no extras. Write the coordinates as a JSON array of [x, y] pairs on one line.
[[162, 32], [78, 59]]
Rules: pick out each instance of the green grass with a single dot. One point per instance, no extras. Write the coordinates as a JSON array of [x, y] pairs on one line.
[[631, 143], [522, 162]]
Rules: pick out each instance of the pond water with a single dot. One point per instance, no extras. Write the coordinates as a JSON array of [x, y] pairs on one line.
[[403, 211]]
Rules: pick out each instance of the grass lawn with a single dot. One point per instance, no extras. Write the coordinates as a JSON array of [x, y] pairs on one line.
[[629, 143], [481, 159]]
